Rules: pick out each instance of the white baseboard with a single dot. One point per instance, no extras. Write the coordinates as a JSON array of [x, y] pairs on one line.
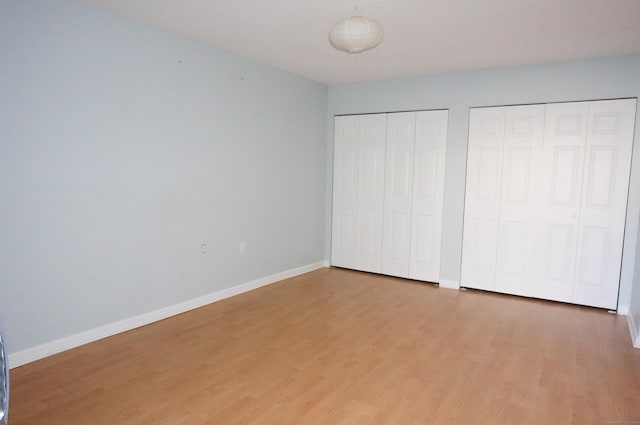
[[623, 310], [449, 284], [32, 354], [634, 329]]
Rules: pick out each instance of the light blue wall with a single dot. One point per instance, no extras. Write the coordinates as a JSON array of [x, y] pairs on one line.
[[598, 79], [122, 149]]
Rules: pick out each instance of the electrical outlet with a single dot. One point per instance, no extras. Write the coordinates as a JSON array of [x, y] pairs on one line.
[[242, 246], [203, 248]]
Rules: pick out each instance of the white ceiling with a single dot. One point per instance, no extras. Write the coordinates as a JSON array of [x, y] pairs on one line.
[[422, 37]]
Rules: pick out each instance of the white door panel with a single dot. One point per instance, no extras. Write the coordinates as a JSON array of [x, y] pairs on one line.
[[427, 162], [518, 230], [482, 200], [398, 193], [370, 192], [428, 194], [345, 173], [559, 203], [425, 242], [346, 228], [603, 210], [483, 242], [557, 251]]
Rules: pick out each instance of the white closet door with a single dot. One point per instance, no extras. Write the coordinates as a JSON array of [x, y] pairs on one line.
[[519, 212], [345, 199], [604, 202], [559, 205], [370, 192], [398, 193], [562, 190], [428, 195], [482, 200]]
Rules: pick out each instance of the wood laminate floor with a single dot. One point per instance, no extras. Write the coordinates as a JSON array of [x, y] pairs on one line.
[[342, 347]]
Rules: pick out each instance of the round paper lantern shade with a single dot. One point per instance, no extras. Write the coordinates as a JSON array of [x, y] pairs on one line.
[[356, 34]]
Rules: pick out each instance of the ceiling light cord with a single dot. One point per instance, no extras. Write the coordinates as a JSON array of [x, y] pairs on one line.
[[358, 8]]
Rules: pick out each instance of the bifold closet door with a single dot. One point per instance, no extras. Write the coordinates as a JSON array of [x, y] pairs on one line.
[[546, 200], [501, 226], [358, 186], [414, 192], [388, 190]]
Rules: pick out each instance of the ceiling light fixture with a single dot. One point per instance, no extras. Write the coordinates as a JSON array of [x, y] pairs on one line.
[[356, 34]]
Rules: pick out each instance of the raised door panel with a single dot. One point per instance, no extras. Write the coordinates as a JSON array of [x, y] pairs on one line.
[[518, 233], [398, 193], [482, 199], [428, 194], [604, 200], [370, 192], [345, 183], [559, 201]]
